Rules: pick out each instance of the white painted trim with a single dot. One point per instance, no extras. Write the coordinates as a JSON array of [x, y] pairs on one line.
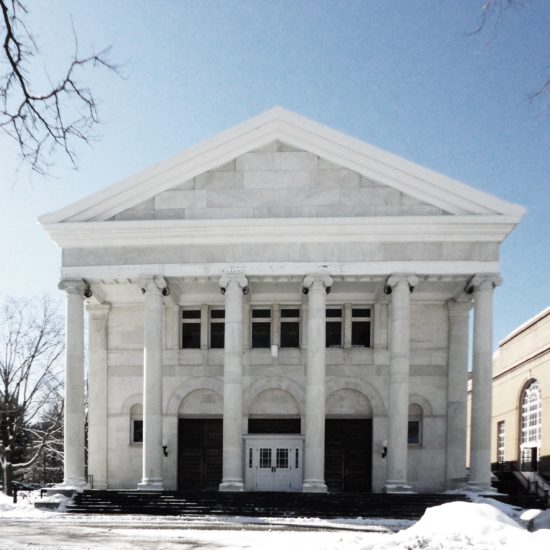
[[279, 124], [288, 269], [281, 230]]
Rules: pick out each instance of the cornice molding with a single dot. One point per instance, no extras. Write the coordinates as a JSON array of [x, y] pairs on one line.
[[229, 231]]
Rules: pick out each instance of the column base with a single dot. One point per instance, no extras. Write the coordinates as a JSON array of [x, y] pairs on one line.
[[75, 484], [151, 484], [480, 487], [398, 487], [314, 486], [233, 485]]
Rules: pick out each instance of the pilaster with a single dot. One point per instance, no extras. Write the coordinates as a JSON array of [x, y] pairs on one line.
[[98, 315], [457, 381]]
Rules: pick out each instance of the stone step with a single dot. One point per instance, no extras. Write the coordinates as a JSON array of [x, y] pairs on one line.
[[256, 504]]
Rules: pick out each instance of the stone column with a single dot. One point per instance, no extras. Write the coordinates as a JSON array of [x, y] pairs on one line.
[[316, 287], [233, 287], [74, 384], [400, 287], [152, 476], [482, 369], [97, 393], [457, 382]]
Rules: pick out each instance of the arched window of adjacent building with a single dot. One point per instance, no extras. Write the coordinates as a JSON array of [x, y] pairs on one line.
[[414, 436], [136, 424], [530, 425]]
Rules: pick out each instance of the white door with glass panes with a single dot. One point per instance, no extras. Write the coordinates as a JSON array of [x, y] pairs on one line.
[[273, 463]]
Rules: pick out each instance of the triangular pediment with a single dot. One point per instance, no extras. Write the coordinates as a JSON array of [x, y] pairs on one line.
[[282, 165], [278, 181]]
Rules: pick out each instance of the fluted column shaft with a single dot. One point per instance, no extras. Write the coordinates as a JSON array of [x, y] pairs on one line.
[[97, 394], [316, 287], [401, 287], [233, 287], [74, 383], [152, 475], [457, 381], [480, 432]]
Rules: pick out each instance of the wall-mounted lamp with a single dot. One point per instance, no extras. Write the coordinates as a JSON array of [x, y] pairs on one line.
[[384, 448], [165, 448]]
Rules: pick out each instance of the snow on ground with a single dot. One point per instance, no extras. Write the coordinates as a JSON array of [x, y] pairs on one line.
[[465, 525], [485, 524]]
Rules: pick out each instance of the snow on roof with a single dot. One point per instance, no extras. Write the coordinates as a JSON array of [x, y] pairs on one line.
[[516, 332]]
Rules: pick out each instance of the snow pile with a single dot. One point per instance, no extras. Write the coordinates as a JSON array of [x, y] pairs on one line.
[[538, 521], [463, 525], [24, 507], [8, 508]]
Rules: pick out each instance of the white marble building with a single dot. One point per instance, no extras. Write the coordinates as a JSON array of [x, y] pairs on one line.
[[282, 308]]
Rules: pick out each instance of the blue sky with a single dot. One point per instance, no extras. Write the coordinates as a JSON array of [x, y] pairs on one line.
[[404, 75]]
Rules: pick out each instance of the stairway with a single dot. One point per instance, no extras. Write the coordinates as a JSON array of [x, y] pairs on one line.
[[256, 504], [513, 492]]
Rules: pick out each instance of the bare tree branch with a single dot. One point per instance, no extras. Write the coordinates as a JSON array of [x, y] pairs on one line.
[[53, 119], [494, 11]]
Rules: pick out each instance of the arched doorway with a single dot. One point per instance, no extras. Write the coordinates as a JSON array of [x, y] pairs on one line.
[[273, 444], [348, 441], [200, 433]]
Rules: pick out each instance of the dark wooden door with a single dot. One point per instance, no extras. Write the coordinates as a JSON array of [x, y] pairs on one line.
[[200, 444], [348, 455]]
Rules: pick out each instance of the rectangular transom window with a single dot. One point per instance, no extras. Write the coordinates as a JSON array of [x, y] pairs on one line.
[[290, 327], [217, 328], [334, 327], [261, 328], [360, 326], [191, 328]]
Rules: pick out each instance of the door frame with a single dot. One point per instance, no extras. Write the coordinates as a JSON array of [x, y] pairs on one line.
[[253, 441], [203, 452]]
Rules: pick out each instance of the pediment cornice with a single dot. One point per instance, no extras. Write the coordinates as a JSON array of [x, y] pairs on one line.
[[281, 230], [278, 124]]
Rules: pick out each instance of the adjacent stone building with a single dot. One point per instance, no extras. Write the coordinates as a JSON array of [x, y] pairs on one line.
[[280, 308], [521, 404]]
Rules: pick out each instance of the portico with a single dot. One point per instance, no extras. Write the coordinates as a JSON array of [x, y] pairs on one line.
[[280, 308]]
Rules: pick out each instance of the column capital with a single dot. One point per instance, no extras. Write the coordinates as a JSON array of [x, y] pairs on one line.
[[319, 280], [156, 284], [486, 281], [75, 286], [459, 308], [397, 280], [235, 280], [98, 311]]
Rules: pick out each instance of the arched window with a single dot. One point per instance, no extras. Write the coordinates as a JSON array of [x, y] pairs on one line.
[[136, 424], [414, 436], [530, 425]]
